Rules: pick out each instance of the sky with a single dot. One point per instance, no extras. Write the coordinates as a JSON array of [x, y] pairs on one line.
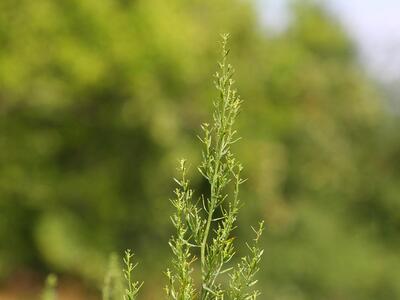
[[374, 25]]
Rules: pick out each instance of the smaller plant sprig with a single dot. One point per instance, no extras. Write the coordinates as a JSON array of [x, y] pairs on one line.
[[186, 220], [132, 287]]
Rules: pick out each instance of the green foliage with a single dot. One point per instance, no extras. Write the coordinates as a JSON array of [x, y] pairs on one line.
[[197, 225], [132, 287]]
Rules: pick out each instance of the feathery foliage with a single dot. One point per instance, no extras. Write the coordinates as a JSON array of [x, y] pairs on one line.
[[198, 230], [132, 287]]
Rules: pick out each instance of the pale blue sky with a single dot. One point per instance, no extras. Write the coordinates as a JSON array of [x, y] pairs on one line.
[[373, 24]]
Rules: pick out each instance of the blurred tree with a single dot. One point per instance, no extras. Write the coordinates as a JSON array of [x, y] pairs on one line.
[[99, 98]]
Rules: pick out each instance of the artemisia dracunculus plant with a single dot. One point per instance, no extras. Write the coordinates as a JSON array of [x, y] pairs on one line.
[[204, 225]]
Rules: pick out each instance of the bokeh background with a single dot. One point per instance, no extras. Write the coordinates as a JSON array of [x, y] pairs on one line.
[[98, 100]]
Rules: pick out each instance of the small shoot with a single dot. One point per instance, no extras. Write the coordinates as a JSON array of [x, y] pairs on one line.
[[132, 287]]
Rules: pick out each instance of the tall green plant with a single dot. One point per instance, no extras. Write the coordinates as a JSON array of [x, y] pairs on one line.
[[204, 228]]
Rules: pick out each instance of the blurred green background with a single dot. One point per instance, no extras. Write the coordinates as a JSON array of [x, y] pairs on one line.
[[98, 100]]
